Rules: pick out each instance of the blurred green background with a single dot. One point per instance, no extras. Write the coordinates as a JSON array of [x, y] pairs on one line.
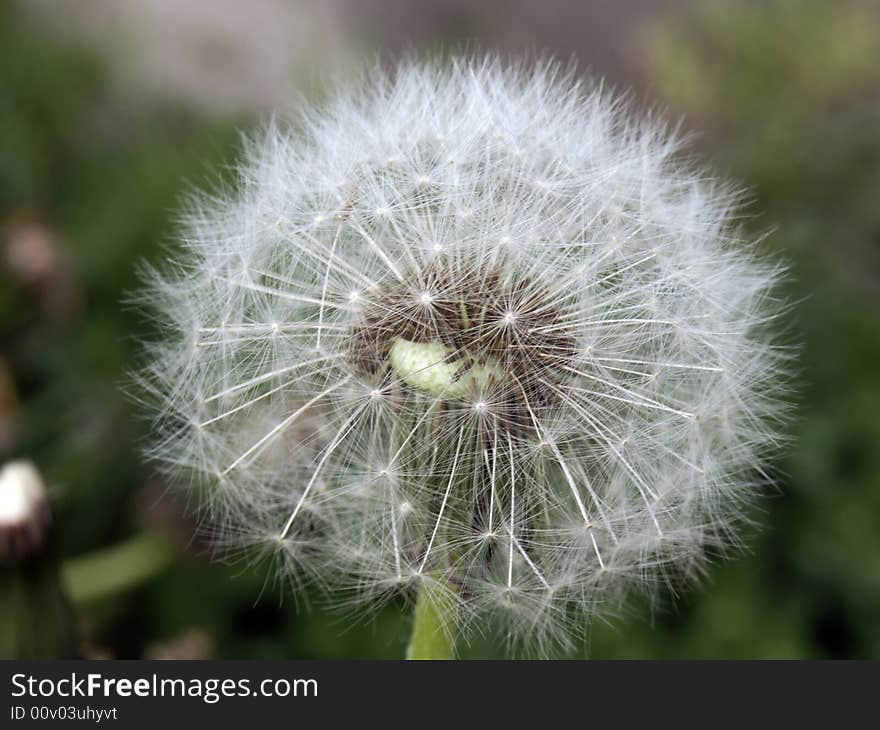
[[111, 110]]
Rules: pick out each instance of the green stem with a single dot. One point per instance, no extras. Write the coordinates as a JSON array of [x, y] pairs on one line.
[[36, 620], [433, 623]]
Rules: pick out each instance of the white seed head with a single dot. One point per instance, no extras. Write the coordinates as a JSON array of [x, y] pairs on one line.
[[529, 358]]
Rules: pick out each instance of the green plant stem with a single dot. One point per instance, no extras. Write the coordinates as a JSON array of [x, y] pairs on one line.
[[433, 624], [36, 620]]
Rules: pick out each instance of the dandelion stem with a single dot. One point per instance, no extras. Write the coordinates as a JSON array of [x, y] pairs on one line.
[[433, 622]]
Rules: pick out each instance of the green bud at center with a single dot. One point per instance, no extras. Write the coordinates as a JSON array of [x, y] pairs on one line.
[[426, 367]]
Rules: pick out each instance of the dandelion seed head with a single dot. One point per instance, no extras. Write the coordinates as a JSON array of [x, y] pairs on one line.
[[476, 324]]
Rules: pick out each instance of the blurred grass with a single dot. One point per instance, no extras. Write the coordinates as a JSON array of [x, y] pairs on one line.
[[789, 93]]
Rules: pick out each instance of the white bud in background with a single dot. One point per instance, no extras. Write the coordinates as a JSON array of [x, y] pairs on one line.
[[24, 509]]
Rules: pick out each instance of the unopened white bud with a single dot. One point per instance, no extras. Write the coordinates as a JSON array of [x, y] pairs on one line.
[[24, 513]]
